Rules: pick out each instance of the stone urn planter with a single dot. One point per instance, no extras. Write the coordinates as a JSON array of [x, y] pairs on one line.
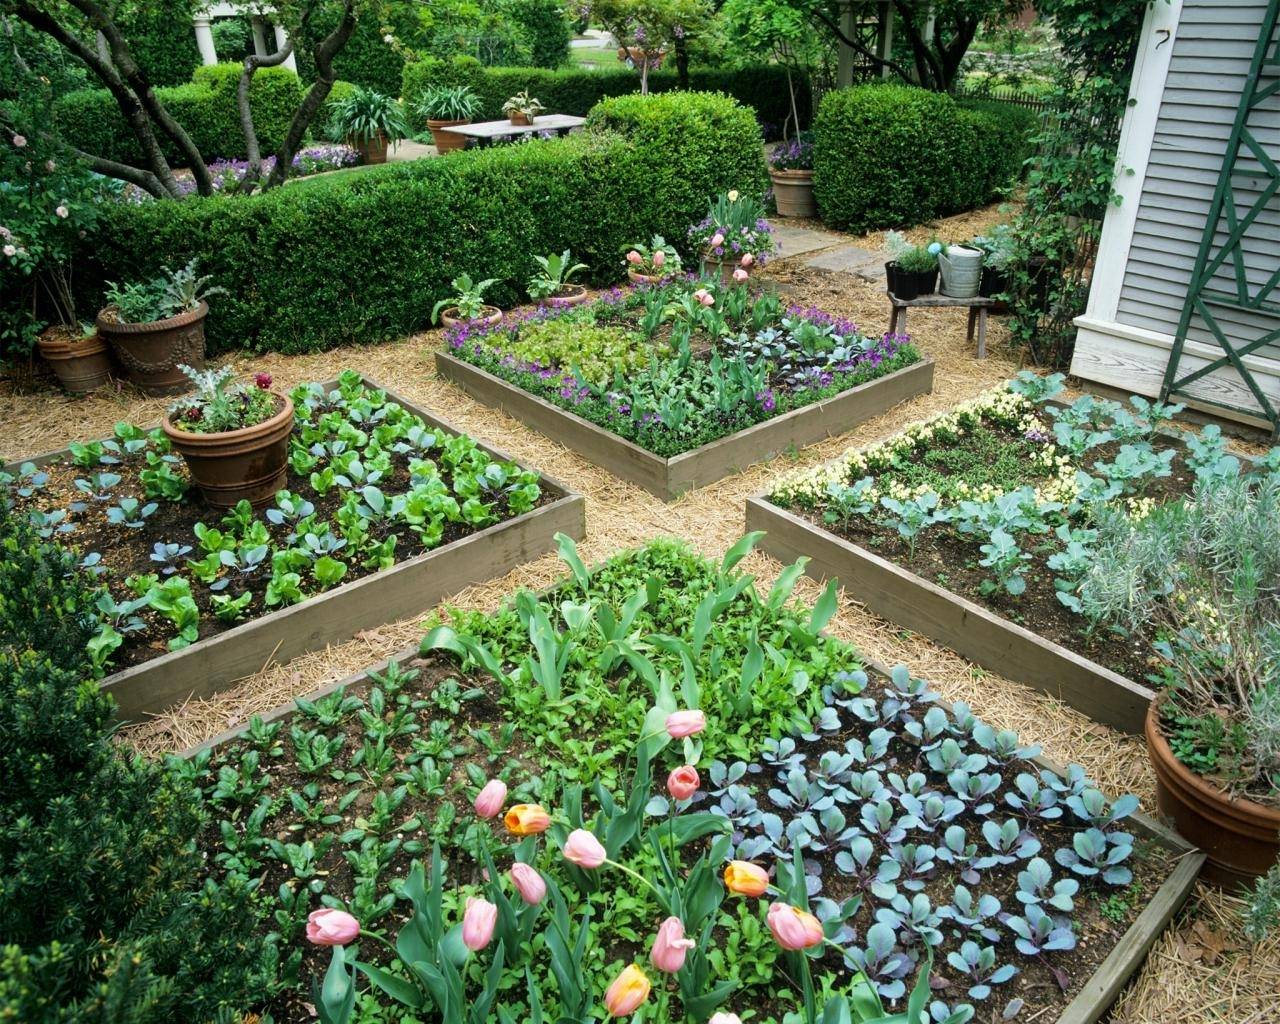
[[150, 352], [81, 364], [488, 315], [246, 464], [793, 193], [444, 140], [568, 295], [1240, 837]]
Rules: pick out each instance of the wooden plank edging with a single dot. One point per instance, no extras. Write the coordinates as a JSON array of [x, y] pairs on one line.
[[414, 585], [966, 627], [668, 478]]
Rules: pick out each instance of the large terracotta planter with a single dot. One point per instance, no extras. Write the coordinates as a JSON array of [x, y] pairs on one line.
[[444, 140], [635, 277], [150, 353], [713, 266], [80, 364], [793, 193], [568, 295], [1241, 837], [372, 151], [488, 315], [249, 463]]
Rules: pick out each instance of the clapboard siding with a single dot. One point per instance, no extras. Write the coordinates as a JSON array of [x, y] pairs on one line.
[[1212, 53]]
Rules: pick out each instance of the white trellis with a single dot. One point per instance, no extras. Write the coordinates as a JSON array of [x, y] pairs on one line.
[[259, 19]]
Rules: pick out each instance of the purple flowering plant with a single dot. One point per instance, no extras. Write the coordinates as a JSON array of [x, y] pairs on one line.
[[734, 227], [794, 155]]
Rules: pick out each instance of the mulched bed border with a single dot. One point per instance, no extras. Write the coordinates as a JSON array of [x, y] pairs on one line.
[[668, 478], [414, 585]]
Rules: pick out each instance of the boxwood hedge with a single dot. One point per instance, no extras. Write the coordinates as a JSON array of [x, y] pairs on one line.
[[363, 256], [889, 155], [576, 91]]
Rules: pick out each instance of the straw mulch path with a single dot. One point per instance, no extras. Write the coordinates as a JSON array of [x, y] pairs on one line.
[[1182, 980]]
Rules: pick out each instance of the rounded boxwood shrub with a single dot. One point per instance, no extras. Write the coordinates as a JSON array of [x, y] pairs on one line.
[[364, 257], [889, 155]]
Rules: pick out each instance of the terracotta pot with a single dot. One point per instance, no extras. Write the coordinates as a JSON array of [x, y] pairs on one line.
[[793, 193], [447, 141], [80, 364], [150, 353], [249, 463], [568, 295], [713, 266], [488, 315], [519, 118], [637, 56], [1241, 837], [635, 277], [372, 151]]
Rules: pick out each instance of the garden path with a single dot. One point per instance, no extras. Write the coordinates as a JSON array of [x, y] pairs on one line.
[[1198, 973]]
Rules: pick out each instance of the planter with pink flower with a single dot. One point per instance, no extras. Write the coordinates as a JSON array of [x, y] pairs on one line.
[[791, 171], [682, 381], [733, 239], [650, 264], [658, 788]]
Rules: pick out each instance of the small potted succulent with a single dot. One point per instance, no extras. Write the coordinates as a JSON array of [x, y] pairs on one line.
[[153, 326], [733, 238], [466, 305], [913, 271], [523, 108], [649, 264], [791, 169], [234, 437], [445, 107], [551, 283], [369, 122]]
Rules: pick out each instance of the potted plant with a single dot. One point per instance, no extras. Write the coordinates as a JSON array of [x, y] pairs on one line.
[[734, 237], [551, 284], [523, 108], [466, 305], [913, 271], [649, 264], [445, 107], [78, 356], [791, 169], [153, 326], [234, 437], [369, 122], [997, 249]]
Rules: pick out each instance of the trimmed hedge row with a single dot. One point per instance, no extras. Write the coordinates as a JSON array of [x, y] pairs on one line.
[[206, 107], [576, 91], [890, 155], [364, 256]]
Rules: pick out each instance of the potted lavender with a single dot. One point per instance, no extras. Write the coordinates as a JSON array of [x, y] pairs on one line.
[[791, 168]]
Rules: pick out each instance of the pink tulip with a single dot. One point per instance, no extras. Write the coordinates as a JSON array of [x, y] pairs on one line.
[[717, 240], [685, 723], [478, 922], [792, 927], [670, 946], [583, 849], [683, 782], [634, 257], [747, 259], [659, 257], [529, 884], [328, 927], [725, 1018], [489, 800], [740, 275]]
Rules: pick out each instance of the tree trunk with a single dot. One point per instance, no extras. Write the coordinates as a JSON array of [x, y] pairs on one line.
[[682, 63], [253, 152]]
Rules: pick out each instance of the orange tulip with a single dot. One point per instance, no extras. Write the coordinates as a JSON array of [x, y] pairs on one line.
[[745, 878], [628, 991], [527, 820]]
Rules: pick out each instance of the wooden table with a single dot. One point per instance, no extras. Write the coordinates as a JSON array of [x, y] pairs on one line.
[[977, 305], [485, 132]]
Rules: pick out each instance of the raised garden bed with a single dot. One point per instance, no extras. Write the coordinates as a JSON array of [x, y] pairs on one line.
[[1020, 604], [652, 385], [190, 634], [363, 776]]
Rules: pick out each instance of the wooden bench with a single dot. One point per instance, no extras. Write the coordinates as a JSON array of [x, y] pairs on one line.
[[977, 306], [485, 132]]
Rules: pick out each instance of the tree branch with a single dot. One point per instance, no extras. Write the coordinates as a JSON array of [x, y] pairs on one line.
[[144, 179], [137, 79], [253, 152], [125, 97], [927, 67], [323, 55], [857, 47]]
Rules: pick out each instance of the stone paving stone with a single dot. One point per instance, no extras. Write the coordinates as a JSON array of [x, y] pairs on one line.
[[849, 259], [795, 241]]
